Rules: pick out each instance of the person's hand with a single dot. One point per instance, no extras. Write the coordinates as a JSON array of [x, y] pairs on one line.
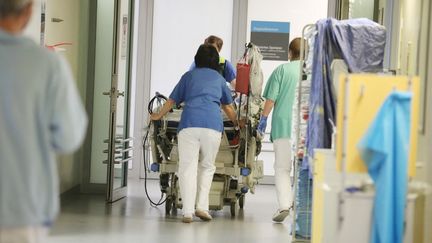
[[155, 116], [262, 125]]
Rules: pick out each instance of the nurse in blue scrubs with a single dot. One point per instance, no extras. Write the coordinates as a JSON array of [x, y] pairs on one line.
[[204, 92]]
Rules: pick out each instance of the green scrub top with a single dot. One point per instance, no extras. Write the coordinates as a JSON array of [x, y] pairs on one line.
[[280, 88]]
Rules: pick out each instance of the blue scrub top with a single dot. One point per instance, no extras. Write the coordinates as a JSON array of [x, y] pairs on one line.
[[229, 72], [384, 149], [203, 90]]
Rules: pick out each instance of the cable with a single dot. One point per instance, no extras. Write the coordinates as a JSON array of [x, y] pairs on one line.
[[161, 200], [157, 97], [160, 99]]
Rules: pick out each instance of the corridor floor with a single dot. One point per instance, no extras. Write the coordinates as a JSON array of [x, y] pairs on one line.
[[87, 218]]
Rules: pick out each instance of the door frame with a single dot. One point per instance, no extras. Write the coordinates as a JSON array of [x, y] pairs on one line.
[[86, 185], [114, 194], [143, 81]]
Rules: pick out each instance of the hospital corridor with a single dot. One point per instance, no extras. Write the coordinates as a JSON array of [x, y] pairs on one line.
[[87, 219], [215, 121]]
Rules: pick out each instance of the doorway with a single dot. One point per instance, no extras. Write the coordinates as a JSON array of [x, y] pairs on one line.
[[108, 147], [170, 33]]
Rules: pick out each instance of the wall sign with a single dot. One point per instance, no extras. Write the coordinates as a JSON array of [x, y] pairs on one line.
[[272, 38]]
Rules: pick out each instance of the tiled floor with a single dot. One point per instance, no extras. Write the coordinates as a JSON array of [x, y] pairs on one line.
[[87, 218]]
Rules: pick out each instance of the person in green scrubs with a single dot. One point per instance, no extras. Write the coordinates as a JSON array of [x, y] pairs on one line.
[[279, 94]]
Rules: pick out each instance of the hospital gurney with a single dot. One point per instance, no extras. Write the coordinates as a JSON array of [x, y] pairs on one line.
[[237, 167]]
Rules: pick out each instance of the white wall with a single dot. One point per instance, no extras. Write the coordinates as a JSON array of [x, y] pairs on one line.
[[33, 29], [298, 14], [66, 31], [179, 27]]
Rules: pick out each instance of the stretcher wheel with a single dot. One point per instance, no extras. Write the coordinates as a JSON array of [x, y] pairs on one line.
[[233, 208], [168, 205], [174, 207], [241, 201]]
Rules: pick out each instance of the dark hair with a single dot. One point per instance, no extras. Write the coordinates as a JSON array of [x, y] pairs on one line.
[[215, 41], [207, 56], [294, 47], [12, 7]]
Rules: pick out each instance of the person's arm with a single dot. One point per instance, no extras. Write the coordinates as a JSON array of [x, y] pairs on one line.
[[268, 106], [271, 93], [230, 74], [165, 108], [233, 84], [66, 113], [230, 112], [226, 104], [176, 97]]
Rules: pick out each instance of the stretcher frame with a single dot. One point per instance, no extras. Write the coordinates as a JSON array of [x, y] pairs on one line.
[[232, 180], [297, 161]]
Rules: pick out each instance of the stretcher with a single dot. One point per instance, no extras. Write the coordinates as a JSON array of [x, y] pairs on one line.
[[237, 167]]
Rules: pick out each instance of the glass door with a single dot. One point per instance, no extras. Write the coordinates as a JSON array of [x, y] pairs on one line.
[[110, 145], [119, 143]]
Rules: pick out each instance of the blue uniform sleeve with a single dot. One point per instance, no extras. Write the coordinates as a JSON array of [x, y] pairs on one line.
[[226, 98], [192, 66], [271, 91], [179, 91], [68, 119], [229, 71]]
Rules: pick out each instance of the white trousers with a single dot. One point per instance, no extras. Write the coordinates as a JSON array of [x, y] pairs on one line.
[[282, 167], [23, 235], [198, 148]]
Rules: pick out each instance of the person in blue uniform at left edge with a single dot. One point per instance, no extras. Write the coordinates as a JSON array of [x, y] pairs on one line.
[[226, 69], [41, 115], [204, 92]]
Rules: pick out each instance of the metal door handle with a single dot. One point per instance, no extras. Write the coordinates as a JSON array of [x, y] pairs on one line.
[[115, 92]]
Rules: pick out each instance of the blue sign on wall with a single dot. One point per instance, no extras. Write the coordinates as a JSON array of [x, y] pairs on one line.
[[272, 38]]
